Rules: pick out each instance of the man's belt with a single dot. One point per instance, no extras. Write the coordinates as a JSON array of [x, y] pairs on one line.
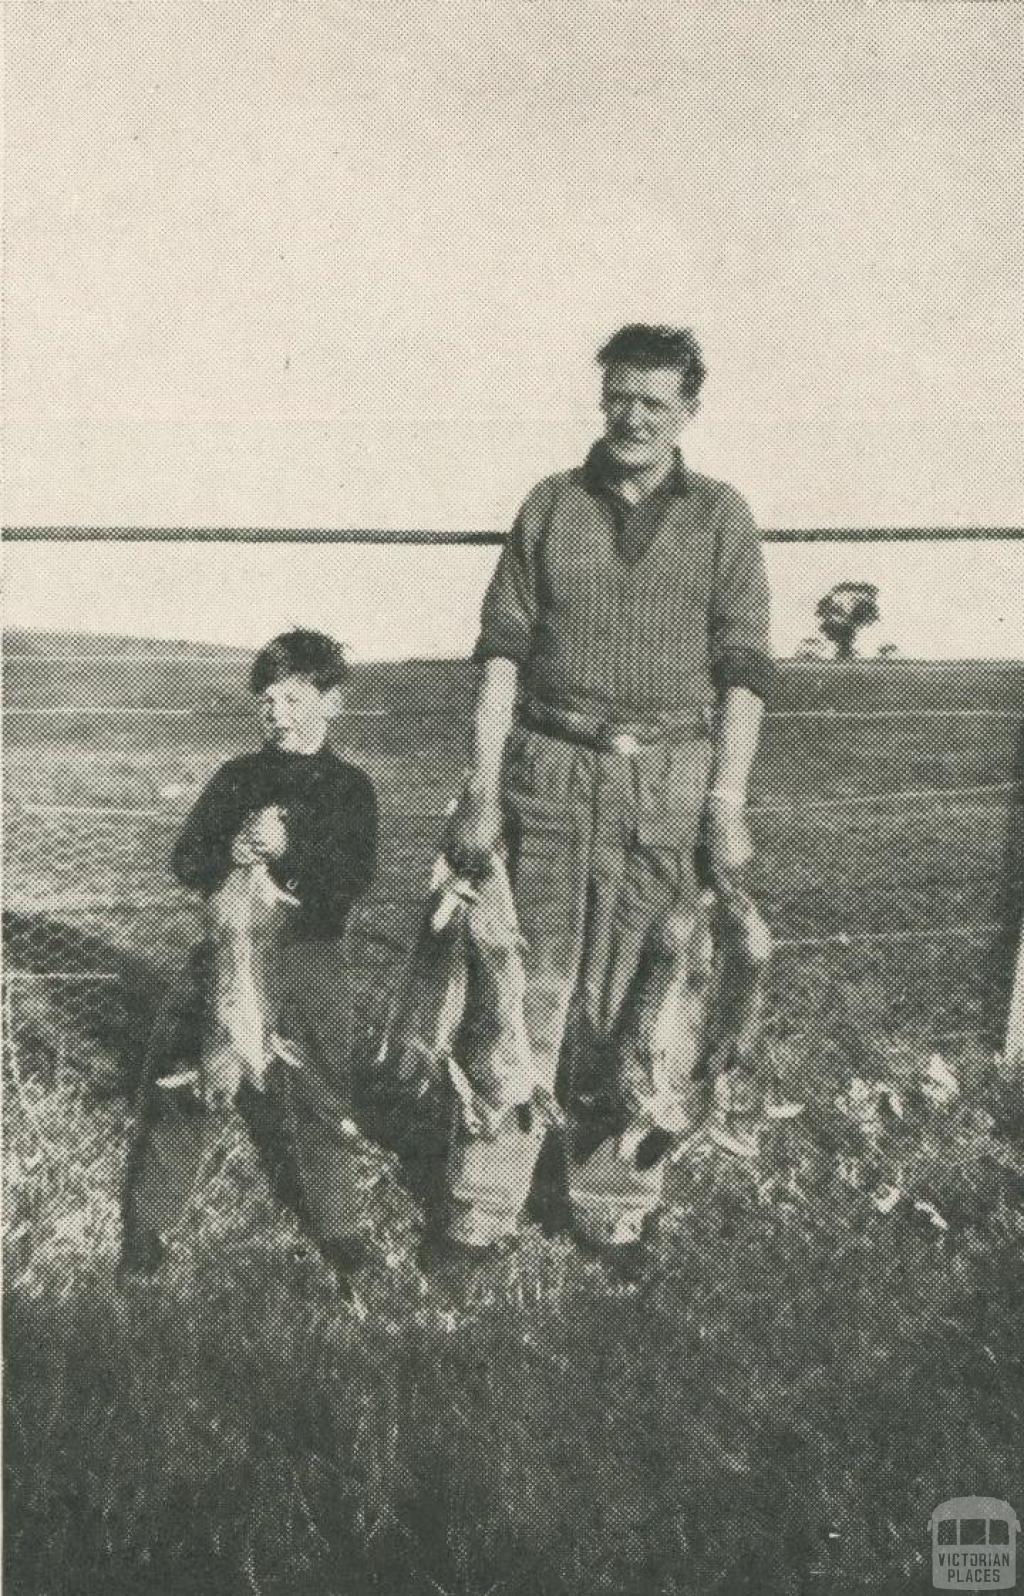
[[614, 734]]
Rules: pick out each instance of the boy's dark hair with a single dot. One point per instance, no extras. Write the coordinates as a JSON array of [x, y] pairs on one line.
[[654, 348], [299, 653]]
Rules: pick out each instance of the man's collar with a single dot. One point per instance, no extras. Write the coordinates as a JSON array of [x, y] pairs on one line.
[[600, 479]]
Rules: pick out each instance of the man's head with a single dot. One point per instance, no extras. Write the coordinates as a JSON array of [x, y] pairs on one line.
[[652, 379], [296, 680]]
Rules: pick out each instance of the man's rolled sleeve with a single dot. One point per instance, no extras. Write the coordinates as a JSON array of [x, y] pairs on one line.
[[509, 612], [741, 649]]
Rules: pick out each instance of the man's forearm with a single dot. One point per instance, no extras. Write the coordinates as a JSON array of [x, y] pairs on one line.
[[495, 710], [739, 730], [475, 826]]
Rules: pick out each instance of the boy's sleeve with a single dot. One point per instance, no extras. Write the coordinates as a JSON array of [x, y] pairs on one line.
[[202, 853], [334, 857]]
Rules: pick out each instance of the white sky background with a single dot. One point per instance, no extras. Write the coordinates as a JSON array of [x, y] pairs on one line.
[[945, 600], [345, 262]]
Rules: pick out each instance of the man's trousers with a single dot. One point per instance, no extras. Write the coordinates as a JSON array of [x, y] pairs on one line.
[[300, 1120], [601, 845]]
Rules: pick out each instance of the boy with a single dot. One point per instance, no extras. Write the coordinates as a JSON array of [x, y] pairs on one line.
[[281, 842]]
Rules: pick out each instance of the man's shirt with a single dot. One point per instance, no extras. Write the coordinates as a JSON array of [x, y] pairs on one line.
[[646, 609]]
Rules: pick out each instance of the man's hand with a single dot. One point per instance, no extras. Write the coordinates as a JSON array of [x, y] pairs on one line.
[[475, 827], [730, 848]]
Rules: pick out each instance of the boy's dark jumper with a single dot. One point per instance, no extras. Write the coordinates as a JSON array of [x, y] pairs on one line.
[[332, 831]]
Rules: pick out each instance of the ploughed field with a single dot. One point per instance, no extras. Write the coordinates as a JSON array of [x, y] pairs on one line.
[[823, 1344]]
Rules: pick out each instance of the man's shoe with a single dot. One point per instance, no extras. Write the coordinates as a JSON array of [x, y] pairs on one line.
[[459, 1272]]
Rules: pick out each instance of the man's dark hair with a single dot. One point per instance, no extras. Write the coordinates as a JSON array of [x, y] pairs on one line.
[[299, 653], [654, 349]]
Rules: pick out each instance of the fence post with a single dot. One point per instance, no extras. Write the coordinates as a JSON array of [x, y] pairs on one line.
[[1013, 1048]]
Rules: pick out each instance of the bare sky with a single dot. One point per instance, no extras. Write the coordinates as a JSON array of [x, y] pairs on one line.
[[334, 262], [938, 601]]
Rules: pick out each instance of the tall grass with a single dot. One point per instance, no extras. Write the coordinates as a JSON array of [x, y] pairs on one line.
[[776, 1405]]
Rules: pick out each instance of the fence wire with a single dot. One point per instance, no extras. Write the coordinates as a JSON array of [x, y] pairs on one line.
[[95, 924]]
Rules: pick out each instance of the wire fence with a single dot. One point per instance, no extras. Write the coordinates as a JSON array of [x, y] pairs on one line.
[[865, 860]]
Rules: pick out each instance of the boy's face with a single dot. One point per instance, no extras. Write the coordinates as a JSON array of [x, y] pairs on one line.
[[293, 714]]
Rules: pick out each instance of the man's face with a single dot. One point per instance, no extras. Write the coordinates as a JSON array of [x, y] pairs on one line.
[[644, 413], [293, 714]]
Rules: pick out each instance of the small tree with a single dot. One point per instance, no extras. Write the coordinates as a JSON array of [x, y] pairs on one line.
[[844, 610], [811, 647]]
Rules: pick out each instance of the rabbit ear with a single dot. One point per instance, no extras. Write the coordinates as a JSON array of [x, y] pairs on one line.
[[472, 1121], [627, 1144], [546, 1106], [441, 873], [450, 900], [288, 1051], [478, 1117], [174, 1083]]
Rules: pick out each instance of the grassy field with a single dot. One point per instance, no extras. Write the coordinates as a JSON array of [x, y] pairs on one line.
[[823, 1343]]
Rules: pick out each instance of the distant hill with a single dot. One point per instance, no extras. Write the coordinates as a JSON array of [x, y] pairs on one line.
[[53, 670], [99, 645]]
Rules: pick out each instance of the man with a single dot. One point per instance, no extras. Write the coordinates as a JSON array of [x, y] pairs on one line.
[[626, 656]]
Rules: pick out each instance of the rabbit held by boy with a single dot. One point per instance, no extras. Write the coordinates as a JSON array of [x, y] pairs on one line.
[[245, 918]]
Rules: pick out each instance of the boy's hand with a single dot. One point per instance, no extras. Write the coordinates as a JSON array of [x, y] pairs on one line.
[[262, 837], [265, 832], [242, 851]]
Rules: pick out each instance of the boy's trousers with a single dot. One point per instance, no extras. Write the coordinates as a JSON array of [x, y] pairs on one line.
[[601, 845], [301, 1121]]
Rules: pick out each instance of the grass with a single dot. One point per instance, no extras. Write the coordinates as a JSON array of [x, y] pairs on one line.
[[776, 1405], [778, 1402]]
